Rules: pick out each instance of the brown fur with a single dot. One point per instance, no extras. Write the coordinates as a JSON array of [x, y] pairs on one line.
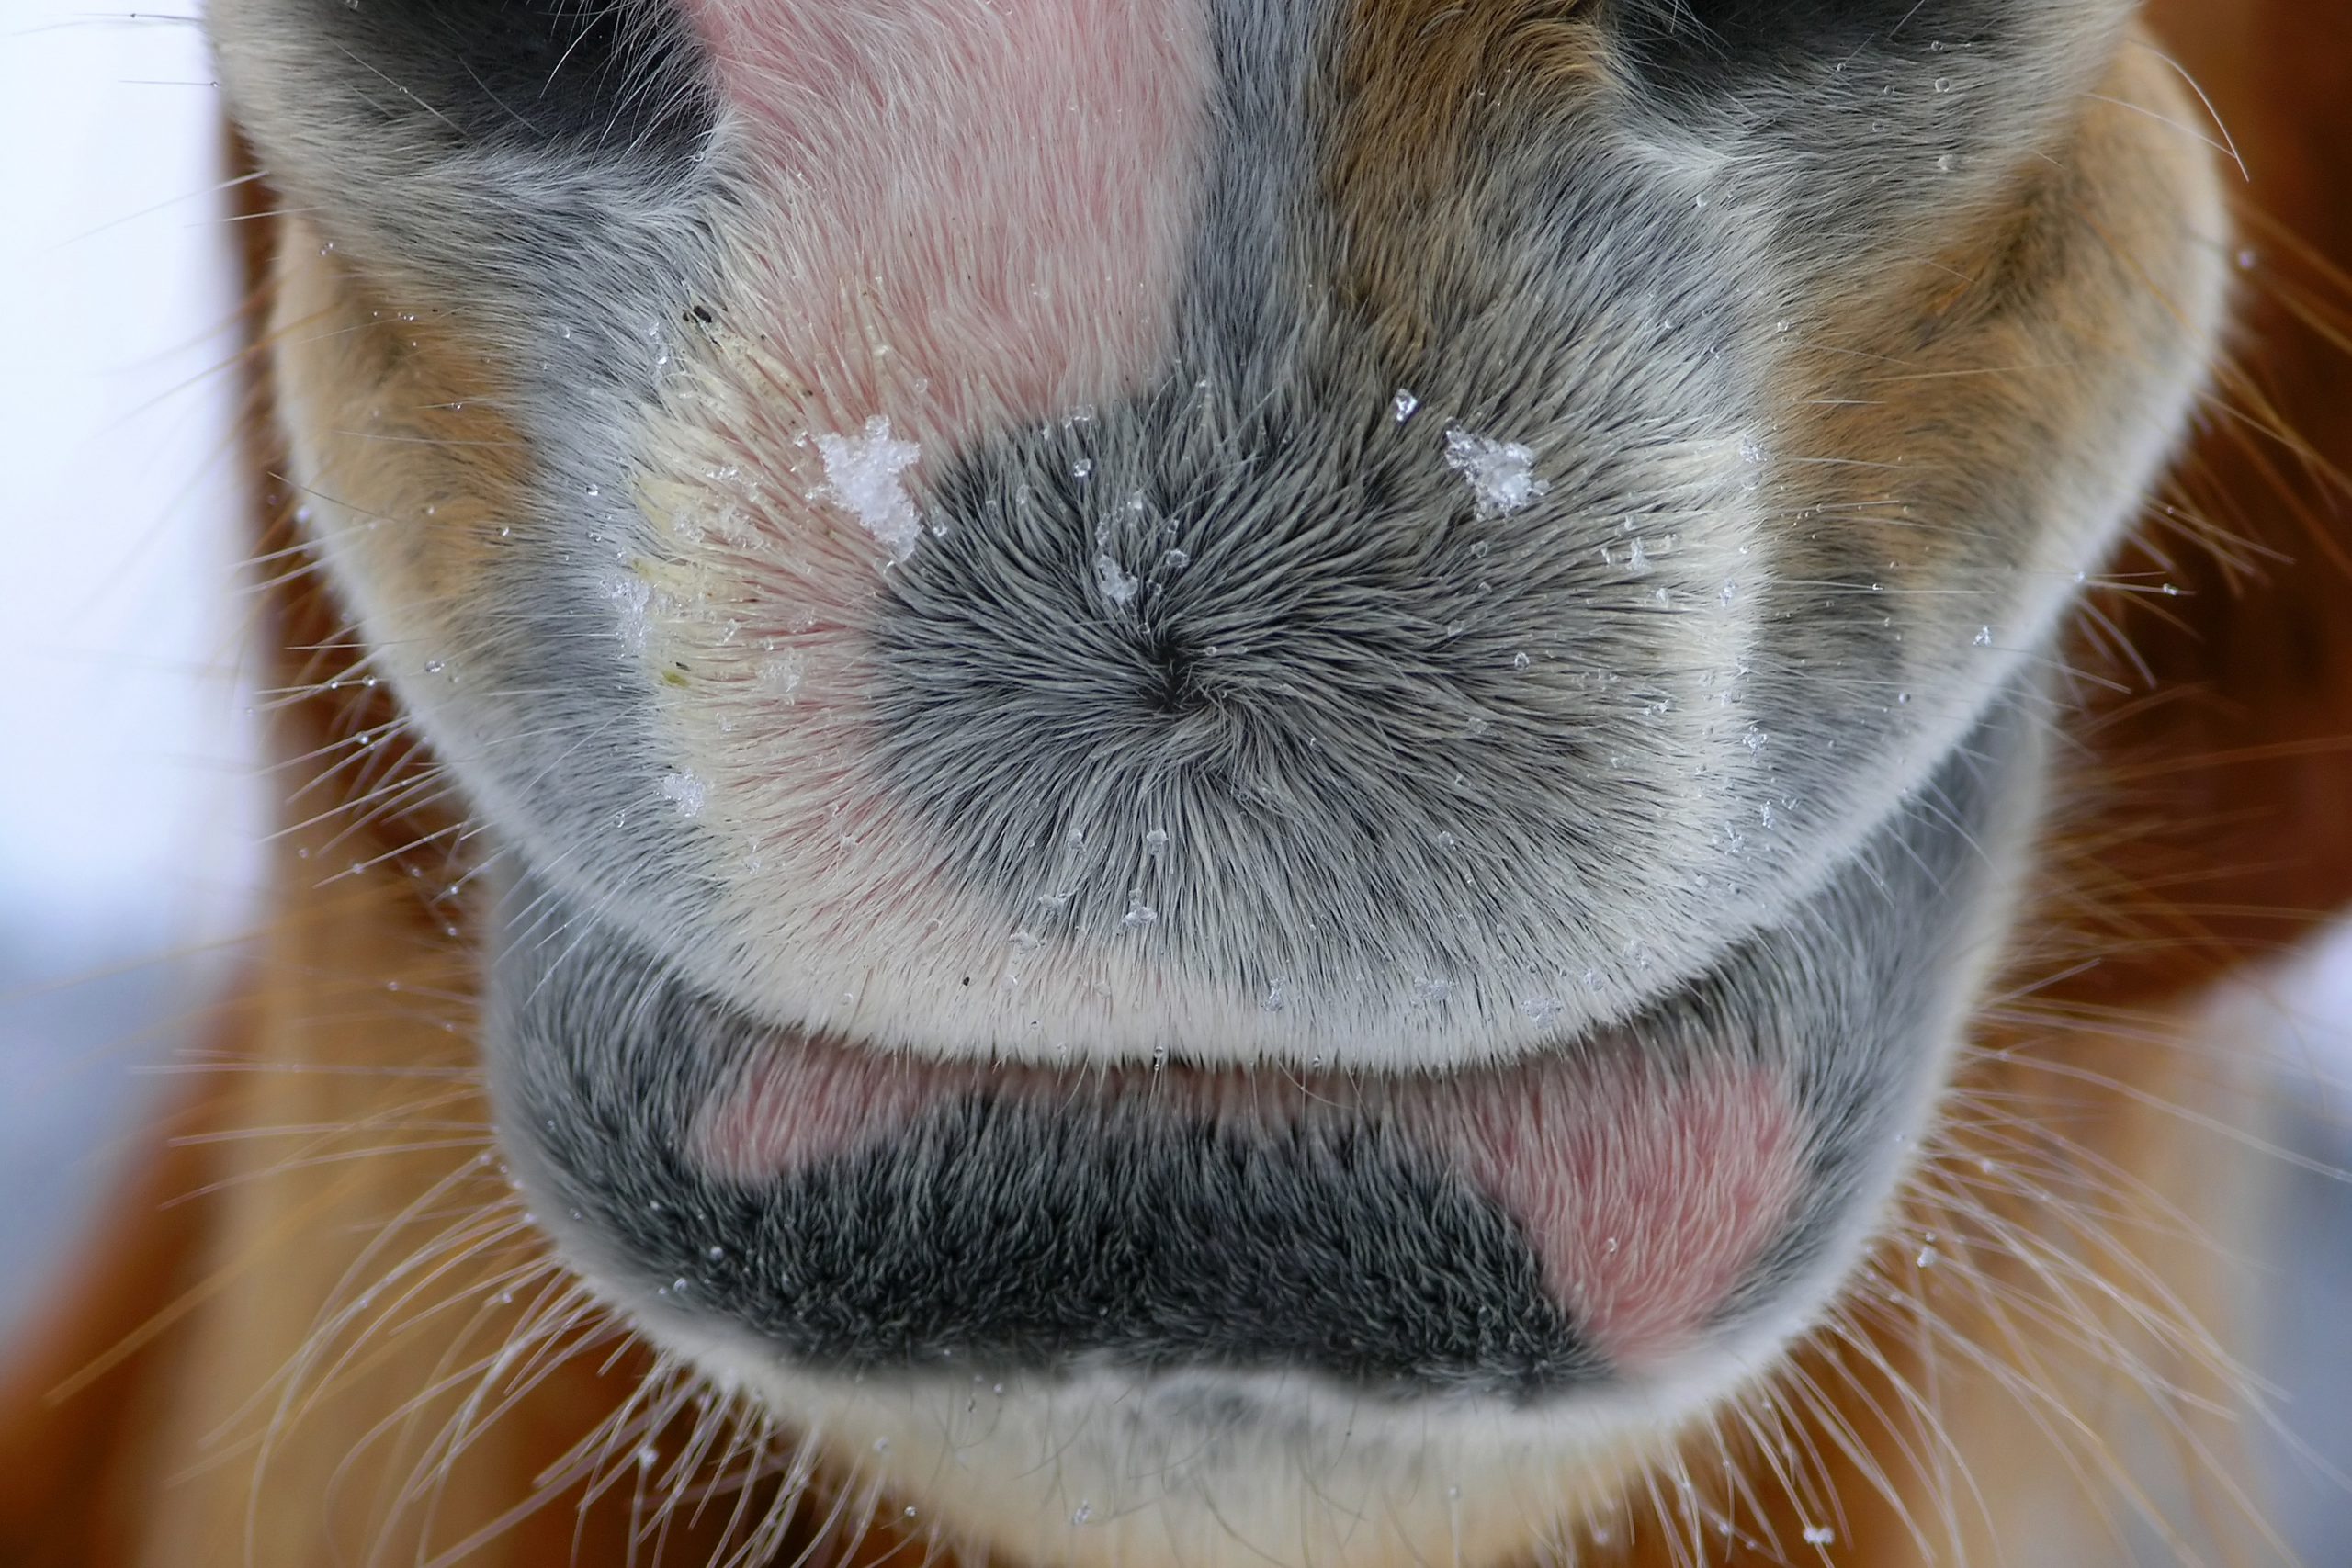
[[2014, 308], [420, 433], [1396, 171]]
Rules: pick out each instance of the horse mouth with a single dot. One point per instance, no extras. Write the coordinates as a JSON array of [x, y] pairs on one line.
[[1594, 1213]]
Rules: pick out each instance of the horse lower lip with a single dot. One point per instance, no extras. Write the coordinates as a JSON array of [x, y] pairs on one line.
[[1633, 1198]]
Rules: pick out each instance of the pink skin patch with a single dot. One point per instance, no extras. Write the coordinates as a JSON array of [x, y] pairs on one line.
[[1647, 1199], [976, 210], [1646, 1196]]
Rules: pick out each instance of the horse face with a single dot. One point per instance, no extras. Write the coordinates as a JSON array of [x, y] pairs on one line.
[[1248, 760]]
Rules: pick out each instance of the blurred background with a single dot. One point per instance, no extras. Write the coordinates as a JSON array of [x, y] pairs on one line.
[[132, 793], [130, 796]]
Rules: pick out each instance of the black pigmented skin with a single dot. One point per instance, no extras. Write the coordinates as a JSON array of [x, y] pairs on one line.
[[995, 1234], [582, 77]]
